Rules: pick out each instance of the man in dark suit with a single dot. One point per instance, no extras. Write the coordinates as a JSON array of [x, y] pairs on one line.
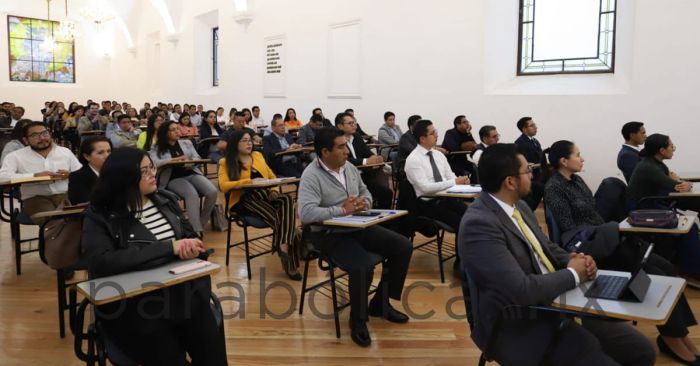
[[374, 178], [510, 261], [460, 138], [532, 151], [279, 140], [634, 134]]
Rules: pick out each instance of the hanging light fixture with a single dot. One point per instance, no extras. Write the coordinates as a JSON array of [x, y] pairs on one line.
[[98, 13], [68, 28], [49, 43]]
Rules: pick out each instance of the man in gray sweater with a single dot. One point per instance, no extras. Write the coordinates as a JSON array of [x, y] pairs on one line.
[[331, 187]]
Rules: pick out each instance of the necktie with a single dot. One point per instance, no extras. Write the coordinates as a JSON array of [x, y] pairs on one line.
[[436, 172], [350, 148], [533, 242]]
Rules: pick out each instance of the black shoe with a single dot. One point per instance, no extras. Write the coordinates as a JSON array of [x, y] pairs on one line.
[[359, 333], [289, 268], [391, 315], [664, 348]]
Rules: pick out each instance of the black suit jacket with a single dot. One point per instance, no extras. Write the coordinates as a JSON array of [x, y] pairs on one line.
[[271, 146], [362, 151], [627, 160], [501, 265], [531, 149], [81, 184]]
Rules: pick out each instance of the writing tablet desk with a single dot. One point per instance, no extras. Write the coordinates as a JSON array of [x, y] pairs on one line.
[[119, 287], [660, 299], [268, 183], [462, 195], [694, 193], [7, 213], [347, 221], [92, 133], [690, 176], [372, 166], [685, 223], [300, 150], [171, 164], [461, 152]]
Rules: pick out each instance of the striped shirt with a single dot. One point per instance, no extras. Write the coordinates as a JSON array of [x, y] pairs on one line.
[[155, 222]]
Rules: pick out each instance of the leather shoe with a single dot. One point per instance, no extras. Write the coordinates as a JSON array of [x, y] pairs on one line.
[[664, 348], [391, 315], [359, 333]]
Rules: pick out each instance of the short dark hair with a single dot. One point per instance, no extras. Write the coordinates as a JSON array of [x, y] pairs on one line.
[[275, 120], [316, 118], [498, 162], [412, 120], [458, 119], [349, 110], [325, 139], [485, 131], [237, 114], [33, 124], [522, 123], [420, 129], [93, 103], [631, 127], [339, 118], [316, 109], [88, 146], [255, 107], [20, 129], [123, 116], [388, 114]]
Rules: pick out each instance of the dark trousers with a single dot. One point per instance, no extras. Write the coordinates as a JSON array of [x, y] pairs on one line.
[[447, 210], [350, 251], [378, 185], [289, 168], [159, 327]]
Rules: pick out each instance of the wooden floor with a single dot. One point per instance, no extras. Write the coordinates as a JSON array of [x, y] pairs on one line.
[[29, 324]]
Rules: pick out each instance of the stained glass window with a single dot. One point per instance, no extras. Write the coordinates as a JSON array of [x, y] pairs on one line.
[[30, 61]]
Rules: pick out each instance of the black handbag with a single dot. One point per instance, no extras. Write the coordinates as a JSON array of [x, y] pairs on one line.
[[660, 219]]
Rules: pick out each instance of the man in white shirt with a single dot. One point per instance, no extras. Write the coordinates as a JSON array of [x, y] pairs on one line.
[[257, 121], [488, 136], [195, 118], [511, 262], [429, 172], [17, 113], [40, 158]]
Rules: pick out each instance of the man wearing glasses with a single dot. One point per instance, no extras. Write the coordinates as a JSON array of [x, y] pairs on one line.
[[460, 138], [41, 157]]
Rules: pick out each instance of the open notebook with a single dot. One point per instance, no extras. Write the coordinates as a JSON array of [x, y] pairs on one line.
[[464, 188]]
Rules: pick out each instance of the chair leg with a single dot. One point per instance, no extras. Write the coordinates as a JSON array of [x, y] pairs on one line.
[[61, 287], [72, 308], [228, 242], [482, 360], [303, 287], [335, 300], [18, 247], [247, 250], [440, 237]]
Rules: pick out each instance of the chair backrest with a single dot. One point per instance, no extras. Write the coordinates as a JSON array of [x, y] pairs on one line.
[[552, 227], [611, 201]]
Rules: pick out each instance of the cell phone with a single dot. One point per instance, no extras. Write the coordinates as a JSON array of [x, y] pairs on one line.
[[366, 213]]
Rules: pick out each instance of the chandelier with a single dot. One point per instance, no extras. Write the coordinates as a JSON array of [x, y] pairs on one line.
[[68, 28], [49, 43], [97, 13]]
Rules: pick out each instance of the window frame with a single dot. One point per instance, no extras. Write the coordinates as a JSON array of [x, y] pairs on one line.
[[520, 71], [54, 25], [215, 56]]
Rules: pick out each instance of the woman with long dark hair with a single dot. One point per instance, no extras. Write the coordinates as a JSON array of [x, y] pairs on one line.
[[149, 137], [241, 166], [209, 128], [94, 150], [290, 119], [131, 226], [187, 182], [187, 129]]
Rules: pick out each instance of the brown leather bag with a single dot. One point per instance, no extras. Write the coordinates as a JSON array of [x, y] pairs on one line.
[[62, 242]]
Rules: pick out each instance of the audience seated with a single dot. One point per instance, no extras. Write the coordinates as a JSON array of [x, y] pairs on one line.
[[290, 119], [532, 151], [332, 187], [256, 122], [460, 138], [149, 137], [326, 121], [92, 120], [363, 134], [429, 172], [17, 139], [307, 133], [277, 142], [186, 128], [196, 116], [389, 133], [407, 142], [94, 150], [634, 134], [238, 124], [511, 262], [488, 136], [375, 178], [162, 326], [187, 182], [42, 157], [573, 208], [16, 114], [242, 166], [126, 135]]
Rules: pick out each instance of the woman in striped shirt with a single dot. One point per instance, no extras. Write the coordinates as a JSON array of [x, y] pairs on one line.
[[130, 226]]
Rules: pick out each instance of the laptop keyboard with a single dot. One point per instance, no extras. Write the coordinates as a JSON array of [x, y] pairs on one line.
[[607, 287]]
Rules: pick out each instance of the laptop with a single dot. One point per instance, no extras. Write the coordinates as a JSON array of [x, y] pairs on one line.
[[620, 288]]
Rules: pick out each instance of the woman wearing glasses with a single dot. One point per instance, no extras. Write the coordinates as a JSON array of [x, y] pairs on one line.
[[131, 226], [241, 166]]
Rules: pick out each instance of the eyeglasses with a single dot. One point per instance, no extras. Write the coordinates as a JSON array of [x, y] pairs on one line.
[[36, 135], [351, 123], [149, 170], [530, 169]]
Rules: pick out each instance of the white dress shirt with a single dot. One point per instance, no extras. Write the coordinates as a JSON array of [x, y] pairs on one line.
[[420, 173], [632, 146], [352, 148], [509, 210], [24, 162], [339, 175]]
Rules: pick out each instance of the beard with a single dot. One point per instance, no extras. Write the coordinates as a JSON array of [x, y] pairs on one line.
[[41, 146]]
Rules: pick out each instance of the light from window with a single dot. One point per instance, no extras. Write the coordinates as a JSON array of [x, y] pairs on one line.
[[566, 36], [29, 61], [215, 56]]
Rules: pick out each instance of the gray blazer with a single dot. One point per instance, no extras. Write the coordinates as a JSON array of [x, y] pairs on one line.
[[504, 271], [164, 175], [385, 137]]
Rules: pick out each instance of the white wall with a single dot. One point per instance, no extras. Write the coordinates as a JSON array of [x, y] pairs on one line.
[[437, 59]]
